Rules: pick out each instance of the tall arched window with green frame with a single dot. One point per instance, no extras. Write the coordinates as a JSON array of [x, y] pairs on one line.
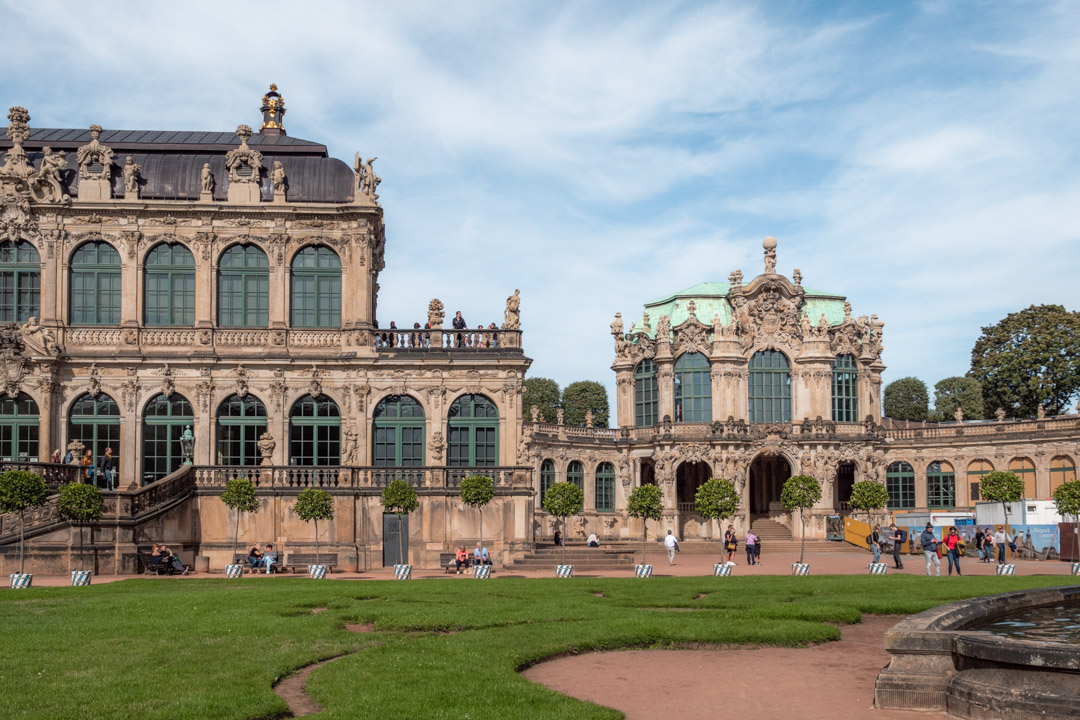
[[940, 485], [398, 432], [18, 428], [547, 478], [845, 389], [575, 473], [164, 420], [240, 422], [315, 432], [20, 282], [693, 389], [473, 424], [605, 487], [243, 287], [316, 288], [95, 422], [96, 285], [900, 484], [169, 286], [769, 393], [646, 394]]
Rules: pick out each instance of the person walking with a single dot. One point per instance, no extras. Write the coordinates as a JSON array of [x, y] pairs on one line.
[[671, 544], [952, 545], [1000, 540], [874, 541], [107, 468], [751, 543], [731, 543], [929, 546], [980, 545], [899, 537]]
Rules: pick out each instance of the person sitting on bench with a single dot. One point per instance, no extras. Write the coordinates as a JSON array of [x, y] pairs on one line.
[[172, 561], [269, 557], [155, 558], [480, 555], [254, 558], [461, 559]]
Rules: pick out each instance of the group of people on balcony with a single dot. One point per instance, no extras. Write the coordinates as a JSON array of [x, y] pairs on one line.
[[403, 338], [92, 473]]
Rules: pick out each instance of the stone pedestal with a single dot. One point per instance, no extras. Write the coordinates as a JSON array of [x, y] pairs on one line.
[[245, 193], [279, 198], [206, 196], [95, 190], [202, 563]]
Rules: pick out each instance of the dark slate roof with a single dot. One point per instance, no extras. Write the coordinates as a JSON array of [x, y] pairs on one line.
[[119, 140]]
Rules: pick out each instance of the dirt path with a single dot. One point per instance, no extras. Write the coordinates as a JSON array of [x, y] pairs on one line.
[[828, 681]]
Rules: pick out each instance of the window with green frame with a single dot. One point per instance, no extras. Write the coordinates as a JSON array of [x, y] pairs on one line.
[[605, 487], [900, 484], [977, 469], [316, 288], [940, 485], [20, 282], [398, 434], [18, 428], [315, 432], [96, 285], [693, 389], [1062, 470], [473, 423], [575, 473], [169, 286], [547, 478], [240, 422], [769, 392], [646, 394], [164, 420], [243, 287], [845, 389], [95, 422], [1024, 469]]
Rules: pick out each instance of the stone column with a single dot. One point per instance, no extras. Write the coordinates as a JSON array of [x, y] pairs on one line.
[[205, 286], [279, 287], [589, 482], [131, 281], [665, 384], [920, 482], [49, 272], [624, 396], [45, 421], [130, 457]]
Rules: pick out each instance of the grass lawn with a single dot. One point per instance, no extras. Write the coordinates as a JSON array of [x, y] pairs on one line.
[[154, 648]]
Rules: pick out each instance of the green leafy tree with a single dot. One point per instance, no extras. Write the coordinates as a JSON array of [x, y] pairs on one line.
[[1067, 499], [239, 496], [1028, 359], [80, 504], [20, 491], [314, 504], [477, 491], [799, 493], [580, 397], [647, 503], [1003, 487], [562, 500], [868, 496], [906, 399], [399, 498], [965, 393], [544, 394], [716, 499]]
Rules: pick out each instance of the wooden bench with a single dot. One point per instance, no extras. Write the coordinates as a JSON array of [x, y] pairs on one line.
[[298, 562], [159, 569], [242, 559], [449, 561]]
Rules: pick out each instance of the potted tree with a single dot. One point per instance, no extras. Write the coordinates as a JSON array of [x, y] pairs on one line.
[[799, 493], [80, 504], [868, 496], [314, 504], [477, 491], [20, 491], [645, 502], [399, 498], [717, 499], [562, 500], [1003, 487], [1067, 499], [239, 496]]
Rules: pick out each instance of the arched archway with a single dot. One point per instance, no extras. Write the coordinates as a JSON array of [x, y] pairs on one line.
[[845, 481], [767, 476], [689, 476]]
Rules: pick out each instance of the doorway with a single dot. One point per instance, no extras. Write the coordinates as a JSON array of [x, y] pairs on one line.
[[767, 476], [395, 527], [845, 481], [689, 476]]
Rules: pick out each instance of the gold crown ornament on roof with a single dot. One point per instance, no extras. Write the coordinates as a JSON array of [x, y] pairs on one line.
[[273, 111]]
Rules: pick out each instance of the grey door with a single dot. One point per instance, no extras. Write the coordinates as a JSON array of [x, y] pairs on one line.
[[394, 527]]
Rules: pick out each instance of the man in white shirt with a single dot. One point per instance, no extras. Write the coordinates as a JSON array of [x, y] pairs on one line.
[[1000, 540], [593, 541], [671, 544]]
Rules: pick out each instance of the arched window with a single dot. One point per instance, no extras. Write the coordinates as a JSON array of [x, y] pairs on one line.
[[315, 432], [169, 288], [645, 394], [18, 428], [940, 485], [900, 484], [770, 387], [547, 478], [605, 487], [474, 432], [399, 432], [845, 389], [316, 288], [1023, 468], [693, 389], [20, 282], [96, 285], [240, 422], [1062, 470], [95, 422], [164, 420], [977, 469], [575, 473], [243, 287]]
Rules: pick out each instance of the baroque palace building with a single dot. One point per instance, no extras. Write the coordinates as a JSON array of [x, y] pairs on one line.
[[153, 283]]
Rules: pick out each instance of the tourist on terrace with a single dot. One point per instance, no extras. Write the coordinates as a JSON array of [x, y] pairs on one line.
[[254, 557], [929, 546], [952, 546], [1001, 540], [88, 468], [751, 543], [481, 556], [459, 324], [492, 340], [461, 559], [731, 543], [107, 467], [69, 458], [56, 456], [593, 541], [269, 557], [671, 544]]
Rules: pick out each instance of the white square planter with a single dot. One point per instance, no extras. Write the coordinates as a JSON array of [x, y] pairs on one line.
[[564, 571], [234, 571], [402, 572], [21, 581], [80, 578], [317, 572], [1008, 569], [1076, 568], [800, 568], [643, 571], [877, 569], [481, 572], [721, 570]]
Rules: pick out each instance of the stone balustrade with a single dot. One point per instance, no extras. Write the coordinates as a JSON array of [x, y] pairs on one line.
[[443, 339], [345, 478]]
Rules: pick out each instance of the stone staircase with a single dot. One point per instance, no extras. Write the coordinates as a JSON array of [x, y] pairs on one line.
[[584, 559]]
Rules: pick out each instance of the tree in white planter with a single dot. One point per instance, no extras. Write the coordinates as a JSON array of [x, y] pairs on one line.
[[399, 498], [239, 496], [314, 504], [1003, 487], [1067, 499], [21, 491], [799, 493], [645, 502], [80, 504], [477, 491], [868, 496], [717, 499], [562, 500]]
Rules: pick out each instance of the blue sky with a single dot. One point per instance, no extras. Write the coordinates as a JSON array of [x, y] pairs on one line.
[[920, 158]]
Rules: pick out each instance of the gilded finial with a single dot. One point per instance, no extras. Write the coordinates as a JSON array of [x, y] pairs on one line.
[[273, 111]]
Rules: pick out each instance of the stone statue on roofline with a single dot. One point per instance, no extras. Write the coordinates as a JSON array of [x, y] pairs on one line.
[[95, 159], [435, 314], [45, 185], [131, 177], [277, 177], [617, 325], [770, 255], [206, 179], [512, 318]]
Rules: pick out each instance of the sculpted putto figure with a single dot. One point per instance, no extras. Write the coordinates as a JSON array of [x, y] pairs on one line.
[[207, 178], [131, 176], [277, 176], [663, 328], [48, 177]]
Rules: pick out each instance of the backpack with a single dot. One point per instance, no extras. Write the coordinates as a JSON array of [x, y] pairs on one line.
[[903, 536]]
